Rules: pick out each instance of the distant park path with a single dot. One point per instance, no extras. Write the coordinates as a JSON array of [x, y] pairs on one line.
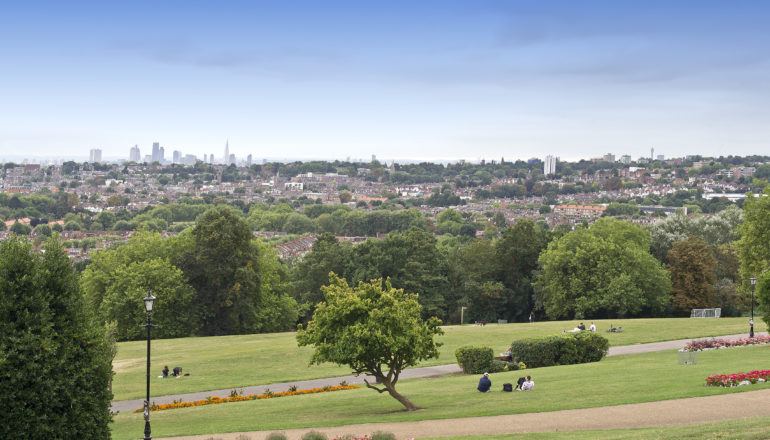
[[676, 412], [412, 373]]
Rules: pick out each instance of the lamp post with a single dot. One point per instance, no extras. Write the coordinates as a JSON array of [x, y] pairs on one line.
[[751, 321], [462, 315], [148, 302]]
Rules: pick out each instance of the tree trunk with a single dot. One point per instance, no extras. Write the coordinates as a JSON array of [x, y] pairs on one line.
[[401, 398]]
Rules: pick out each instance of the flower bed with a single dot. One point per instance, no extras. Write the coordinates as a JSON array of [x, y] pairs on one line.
[[715, 343], [213, 400], [736, 379]]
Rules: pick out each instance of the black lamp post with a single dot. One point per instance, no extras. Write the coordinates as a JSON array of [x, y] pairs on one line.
[[751, 321], [148, 302]]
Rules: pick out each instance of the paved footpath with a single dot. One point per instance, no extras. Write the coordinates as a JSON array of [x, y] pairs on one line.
[[412, 373], [677, 412]]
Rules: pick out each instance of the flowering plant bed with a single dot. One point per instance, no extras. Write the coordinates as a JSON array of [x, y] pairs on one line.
[[214, 400], [736, 379], [715, 343]]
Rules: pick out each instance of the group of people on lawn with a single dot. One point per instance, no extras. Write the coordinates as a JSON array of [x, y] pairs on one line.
[[582, 327], [523, 384]]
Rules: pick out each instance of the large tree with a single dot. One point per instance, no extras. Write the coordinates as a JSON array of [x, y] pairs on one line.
[[55, 361], [373, 330], [693, 275], [605, 270]]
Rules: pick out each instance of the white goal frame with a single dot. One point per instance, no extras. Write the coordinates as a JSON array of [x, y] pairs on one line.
[[706, 313]]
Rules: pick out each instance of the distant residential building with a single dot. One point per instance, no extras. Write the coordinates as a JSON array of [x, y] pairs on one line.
[[162, 156], [625, 159], [189, 159], [248, 160], [135, 155], [739, 172], [226, 157], [95, 155], [177, 156], [699, 164], [660, 157], [609, 157], [549, 165], [156, 156], [579, 213], [231, 159]]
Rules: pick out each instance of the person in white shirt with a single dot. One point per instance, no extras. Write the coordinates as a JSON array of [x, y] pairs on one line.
[[528, 384], [593, 327]]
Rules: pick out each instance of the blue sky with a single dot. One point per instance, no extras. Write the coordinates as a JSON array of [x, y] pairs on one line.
[[430, 79]]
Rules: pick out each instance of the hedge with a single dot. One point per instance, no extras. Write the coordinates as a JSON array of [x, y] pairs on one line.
[[575, 348], [474, 359]]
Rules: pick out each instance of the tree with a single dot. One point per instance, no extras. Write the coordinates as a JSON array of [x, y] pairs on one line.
[[373, 330], [754, 245], [311, 272], [345, 197], [605, 270], [693, 275], [20, 228], [55, 361]]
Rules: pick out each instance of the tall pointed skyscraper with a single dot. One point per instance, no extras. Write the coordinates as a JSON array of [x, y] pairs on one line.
[[226, 158]]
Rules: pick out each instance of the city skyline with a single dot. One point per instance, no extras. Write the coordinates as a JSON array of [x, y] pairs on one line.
[[440, 81]]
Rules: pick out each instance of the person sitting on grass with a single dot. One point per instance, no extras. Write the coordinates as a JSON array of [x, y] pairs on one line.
[[520, 382], [528, 384], [484, 383], [177, 371], [165, 371], [592, 328]]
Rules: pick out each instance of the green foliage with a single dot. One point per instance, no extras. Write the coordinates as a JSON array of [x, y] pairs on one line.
[[762, 295], [605, 270], [276, 436], [474, 359], [55, 361], [20, 229], [382, 435], [754, 245], [693, 275], [719, 229], [314, 435], [373, 330], [560, 350]]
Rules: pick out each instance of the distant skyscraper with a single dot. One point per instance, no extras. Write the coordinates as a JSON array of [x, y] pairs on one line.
[[211, 158], [248, 160], [156, 151], [652, 153], [205, 158], [135, 155], [549, 165], [162, 155], [177, 156], [231, 159], [226, 157], [95, 155], [625, 159], [660, 157], [609, 157]]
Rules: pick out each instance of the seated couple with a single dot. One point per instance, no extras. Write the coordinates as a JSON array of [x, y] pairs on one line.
[[177, 371], [523, 384]]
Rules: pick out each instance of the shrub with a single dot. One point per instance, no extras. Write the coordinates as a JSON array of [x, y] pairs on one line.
[[276, 436], [560, 350], [382, 435], [314, 435], [474, 359]]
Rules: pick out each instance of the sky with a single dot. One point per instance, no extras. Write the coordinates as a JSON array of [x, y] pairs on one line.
[[398, 79]]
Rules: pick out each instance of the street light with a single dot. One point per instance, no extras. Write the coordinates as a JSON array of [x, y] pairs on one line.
[[148, 303], [462, 315], [751, 321]]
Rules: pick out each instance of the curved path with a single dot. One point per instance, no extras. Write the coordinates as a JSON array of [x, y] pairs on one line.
[[412, 373], [676, 412]]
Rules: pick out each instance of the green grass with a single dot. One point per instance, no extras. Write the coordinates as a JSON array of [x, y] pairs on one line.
[[757, 428], [614, 381], [235, 361]]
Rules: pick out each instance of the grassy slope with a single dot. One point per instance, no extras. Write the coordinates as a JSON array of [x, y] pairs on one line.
[[614, 381], [748, 429], [233, 361]]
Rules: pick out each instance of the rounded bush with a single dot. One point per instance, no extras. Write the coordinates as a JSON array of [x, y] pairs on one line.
[[474, 359], [383, 435], [560, 350], [276, 436], [314, 435]]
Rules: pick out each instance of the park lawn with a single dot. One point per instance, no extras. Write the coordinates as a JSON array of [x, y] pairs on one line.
[[221, 362], [613, 381], [757, 428]]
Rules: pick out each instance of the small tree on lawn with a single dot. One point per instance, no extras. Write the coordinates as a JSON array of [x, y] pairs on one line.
[[372, 330]]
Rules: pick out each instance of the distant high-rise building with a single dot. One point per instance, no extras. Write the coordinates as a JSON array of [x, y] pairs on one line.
[[135, 155], [205, 158], [660, 157], [374, 158], [231, 159], [248, 160], [162, 155], [652, 153], [177, 156], [156, 152], [211, 159], [226, 157], [95, 155], [625, 159], [549, 165], [609, 157]]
